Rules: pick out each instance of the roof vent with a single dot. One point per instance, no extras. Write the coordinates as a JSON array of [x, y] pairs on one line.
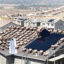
[[12, 49]]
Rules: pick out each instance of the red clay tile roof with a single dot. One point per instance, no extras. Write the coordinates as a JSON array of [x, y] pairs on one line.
[[22, 35]]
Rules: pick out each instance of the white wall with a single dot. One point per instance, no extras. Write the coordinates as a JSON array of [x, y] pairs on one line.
[[22, 61], [16, 22], [41, 24], [32, 62], [2, 60], [29, 24], [19, 61], [47, 26]]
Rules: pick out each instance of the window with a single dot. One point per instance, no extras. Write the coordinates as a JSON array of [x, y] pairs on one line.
[[48, 23], [52, 24], [38, 23], [43, 23]]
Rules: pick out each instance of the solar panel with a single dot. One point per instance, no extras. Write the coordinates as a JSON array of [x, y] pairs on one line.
[[12, 46], [45, 43], [51, 20]]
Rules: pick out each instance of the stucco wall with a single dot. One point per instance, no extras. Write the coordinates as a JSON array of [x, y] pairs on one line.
[[32, 62], [42, 24], [19, 61], [2, 60], [22, 61]]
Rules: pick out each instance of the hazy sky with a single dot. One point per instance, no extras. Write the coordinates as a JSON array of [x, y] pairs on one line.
[[57, 2]]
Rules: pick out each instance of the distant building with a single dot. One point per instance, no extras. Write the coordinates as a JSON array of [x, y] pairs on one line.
[[34, 22], [46, 23], [19, 20], [59, 24]]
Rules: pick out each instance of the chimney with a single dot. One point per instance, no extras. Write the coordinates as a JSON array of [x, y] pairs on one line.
[[12, 49]]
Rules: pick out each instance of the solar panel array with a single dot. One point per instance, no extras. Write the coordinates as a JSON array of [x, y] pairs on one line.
[[51, 20], [46, 42]]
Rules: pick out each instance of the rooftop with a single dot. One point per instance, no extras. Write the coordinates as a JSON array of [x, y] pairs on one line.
[[34, 20], [6, 26], [21, 34], [30, 43]]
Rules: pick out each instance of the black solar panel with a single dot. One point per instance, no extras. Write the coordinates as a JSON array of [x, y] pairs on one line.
[[45, 43], [51, 20]]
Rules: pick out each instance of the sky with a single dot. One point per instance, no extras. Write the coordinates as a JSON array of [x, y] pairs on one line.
[[43, 2]]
